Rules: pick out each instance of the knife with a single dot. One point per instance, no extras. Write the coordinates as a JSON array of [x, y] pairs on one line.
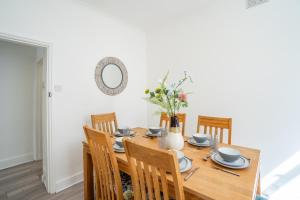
[[227, 171], [190, 174]]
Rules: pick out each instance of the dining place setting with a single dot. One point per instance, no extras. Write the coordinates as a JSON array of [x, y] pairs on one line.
[[185, 163], [224, 156], [154, 132], [192, 162], [124, 131], [119, 134]]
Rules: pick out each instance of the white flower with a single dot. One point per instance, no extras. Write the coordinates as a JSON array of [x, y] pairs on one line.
[[171, 89], [170, 92], [172, 86]]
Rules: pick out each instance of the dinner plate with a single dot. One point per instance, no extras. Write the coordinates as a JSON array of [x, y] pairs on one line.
[[185, 165], [241, 163], [118, 134], [118, 149], [237, 163], [192, 141], [148, 133]]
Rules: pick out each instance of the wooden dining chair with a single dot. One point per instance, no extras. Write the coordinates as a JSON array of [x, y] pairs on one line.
[[165, 121], [108, 181], [149, 168], [105, 122], [216, 123]]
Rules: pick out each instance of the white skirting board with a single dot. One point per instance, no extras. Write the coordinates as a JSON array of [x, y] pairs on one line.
[[68, 181], [16, 160], [44, 179]]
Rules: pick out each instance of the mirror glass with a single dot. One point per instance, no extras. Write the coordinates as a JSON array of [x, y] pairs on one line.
[[112, 76]]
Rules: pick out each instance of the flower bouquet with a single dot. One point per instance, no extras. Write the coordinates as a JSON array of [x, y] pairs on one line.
[[170, 99]]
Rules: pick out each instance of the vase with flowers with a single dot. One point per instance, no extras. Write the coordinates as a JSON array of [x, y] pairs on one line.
[[170, 99]]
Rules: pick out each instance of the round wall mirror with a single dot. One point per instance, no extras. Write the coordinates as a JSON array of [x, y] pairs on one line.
[[111, 75]]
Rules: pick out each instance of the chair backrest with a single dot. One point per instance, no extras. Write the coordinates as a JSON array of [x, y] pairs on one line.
[[165, 121], [149, 168], [105, 122], [216, 123], [105, 164]]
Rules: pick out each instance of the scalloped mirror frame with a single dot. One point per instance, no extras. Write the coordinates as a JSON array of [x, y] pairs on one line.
[[98, 76]]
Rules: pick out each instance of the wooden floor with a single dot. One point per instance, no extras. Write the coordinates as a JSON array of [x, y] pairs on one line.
[[23, 182]]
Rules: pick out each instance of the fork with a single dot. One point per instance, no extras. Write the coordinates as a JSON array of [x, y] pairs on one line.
[[247, 158], [188, 158], [190, 174], [207, 156]]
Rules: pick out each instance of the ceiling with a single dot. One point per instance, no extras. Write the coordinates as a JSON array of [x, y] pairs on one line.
[[147, 14]]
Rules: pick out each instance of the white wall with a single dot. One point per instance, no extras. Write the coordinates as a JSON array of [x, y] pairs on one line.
[[80, 37], [16, 103], [245, 65]]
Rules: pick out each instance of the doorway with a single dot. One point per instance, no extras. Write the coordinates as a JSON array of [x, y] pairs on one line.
[[29, 82]]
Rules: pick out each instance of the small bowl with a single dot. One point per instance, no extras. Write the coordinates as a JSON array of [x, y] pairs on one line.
[[179, 155], [200, 137], [119, 142], [124, 130], [154, 130], [229, 154]]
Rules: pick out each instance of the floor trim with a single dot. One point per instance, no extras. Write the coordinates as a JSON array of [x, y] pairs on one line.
[[68, 181], [16, 160]]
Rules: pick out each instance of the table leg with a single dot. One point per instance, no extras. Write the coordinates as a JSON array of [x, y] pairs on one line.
[[258, 190], [88, 175]]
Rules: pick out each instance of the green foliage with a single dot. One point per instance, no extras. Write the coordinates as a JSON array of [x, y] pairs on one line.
[[169, 98]]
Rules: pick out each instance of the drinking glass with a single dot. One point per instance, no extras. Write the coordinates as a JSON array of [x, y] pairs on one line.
[[127, 132], [214, 141], [163, 139]]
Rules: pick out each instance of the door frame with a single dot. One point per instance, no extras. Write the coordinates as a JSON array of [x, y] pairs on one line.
[[38, 108], [50, 180]]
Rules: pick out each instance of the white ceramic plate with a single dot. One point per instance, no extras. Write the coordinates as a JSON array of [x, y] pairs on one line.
[[185, 165], [148, 133], [179, 154], [237, 163], [118, 134], [241, 163], [192, 141], [118, 149]]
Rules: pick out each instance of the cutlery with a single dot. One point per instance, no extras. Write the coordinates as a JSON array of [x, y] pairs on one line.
[[247, 158], [207, 157], [188, 158], [227, 171], [145, 136], [190, 174]]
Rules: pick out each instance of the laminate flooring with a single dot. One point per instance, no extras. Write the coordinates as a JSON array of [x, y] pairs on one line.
[[23, 182]]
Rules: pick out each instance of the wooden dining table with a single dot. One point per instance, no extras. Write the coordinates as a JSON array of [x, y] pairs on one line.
[[206, 183]]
